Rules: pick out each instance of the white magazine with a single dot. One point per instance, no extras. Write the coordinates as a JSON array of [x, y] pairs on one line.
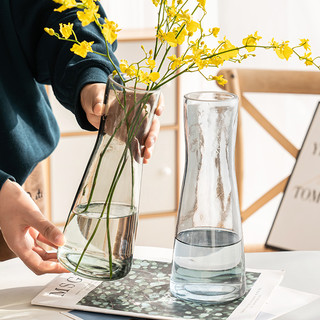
[[145, 293]]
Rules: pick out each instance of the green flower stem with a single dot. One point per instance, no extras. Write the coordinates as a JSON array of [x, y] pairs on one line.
[[106, 147], [131, 133], [108, 202], [103, 152], [115, 181], [99, 162], [132, 179], [109, 196], [160, 12], [168, 29]]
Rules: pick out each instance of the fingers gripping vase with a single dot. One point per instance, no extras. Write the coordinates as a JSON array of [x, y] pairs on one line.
[[101, 226], [208, 261]]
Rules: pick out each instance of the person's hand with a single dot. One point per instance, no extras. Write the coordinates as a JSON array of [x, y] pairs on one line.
[[23, 226], [92, 97]]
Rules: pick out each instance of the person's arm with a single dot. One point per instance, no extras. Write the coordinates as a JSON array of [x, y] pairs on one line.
[[50, 59]]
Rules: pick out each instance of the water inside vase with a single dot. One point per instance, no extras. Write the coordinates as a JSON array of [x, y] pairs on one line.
[[208, 266], [88, 225]]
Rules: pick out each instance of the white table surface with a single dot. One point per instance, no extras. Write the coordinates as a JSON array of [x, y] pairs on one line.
[[18, 285]]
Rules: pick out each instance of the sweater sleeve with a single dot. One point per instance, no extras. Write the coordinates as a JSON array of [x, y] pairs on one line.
[[4, 177], [51, 60]]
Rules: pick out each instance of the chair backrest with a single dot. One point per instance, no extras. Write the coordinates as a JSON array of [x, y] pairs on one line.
[[241, 81]]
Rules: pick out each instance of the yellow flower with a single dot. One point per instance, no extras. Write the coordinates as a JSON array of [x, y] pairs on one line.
[[216, 61], [66, 29], [161, 35], [88, 15], [220, 80], [193, 26], [227, 50], [287, 52], [131, 71], [175, 37], [49, 31], [156, 2], [198, 54], [176, 62], [214, 31], [180, 34], [123, 65], [171, 11], [184, 15], [251, 40], [274, 43], [170, 38], [151, 63], [82, 49], [200, 62], [65, 4], [188, 58], [305, 43], [89, 4], [143, 77], [202, 4], [308, 60], [154, 76], [109, 31], [283, 50]]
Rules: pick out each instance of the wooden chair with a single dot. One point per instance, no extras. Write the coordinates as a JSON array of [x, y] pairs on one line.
[[241, 81]]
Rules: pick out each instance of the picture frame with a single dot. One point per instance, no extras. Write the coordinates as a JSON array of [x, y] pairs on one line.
[[296, 225]]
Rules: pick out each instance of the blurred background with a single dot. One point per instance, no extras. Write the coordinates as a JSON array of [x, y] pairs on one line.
[[266, 163]]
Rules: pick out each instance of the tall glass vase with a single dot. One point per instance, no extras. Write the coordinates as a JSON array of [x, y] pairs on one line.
[[208, 261], [101, 226]]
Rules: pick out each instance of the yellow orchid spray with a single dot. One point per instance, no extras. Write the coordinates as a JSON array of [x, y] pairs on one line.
[[176, 25]]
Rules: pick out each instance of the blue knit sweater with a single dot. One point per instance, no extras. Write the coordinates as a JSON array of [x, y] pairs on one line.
[[30, 58]]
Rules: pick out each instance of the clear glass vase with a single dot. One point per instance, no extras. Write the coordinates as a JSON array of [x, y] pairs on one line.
[[208, 260], [101, 226]]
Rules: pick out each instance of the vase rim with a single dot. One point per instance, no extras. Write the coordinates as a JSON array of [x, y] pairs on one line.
[[211, 96], [141, 90]]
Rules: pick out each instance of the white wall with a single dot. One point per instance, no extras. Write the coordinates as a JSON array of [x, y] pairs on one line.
[[130, 14], [283, 20], [266, 162]]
